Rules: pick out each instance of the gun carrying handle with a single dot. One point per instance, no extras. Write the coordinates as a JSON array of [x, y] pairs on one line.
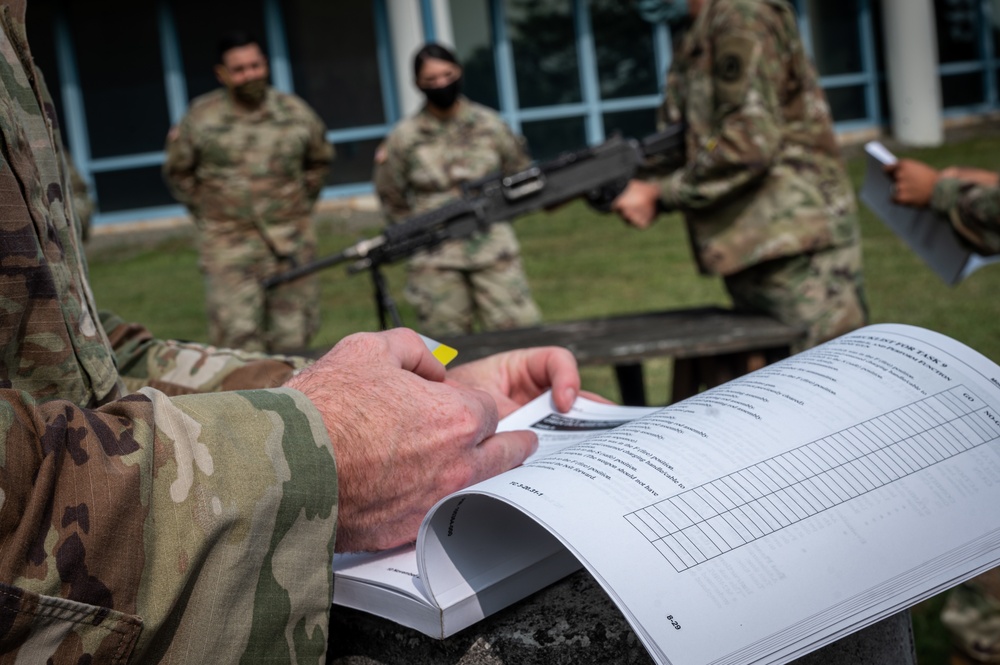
[[522, 184]]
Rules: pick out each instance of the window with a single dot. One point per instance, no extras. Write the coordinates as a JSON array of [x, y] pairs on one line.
[[960, 41], [353, 163], [472, 26], [333, 52], [632, 124], [626, 61], [962, 90], [121, 76], [543, 41], [548, 138], [836, 38], [847, 103], [130, 189], [957, 30]]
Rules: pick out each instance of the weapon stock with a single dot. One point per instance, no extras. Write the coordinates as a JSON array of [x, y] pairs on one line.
[[598, 174]]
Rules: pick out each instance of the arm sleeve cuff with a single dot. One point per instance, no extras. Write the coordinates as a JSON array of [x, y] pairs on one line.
[[945, 195]]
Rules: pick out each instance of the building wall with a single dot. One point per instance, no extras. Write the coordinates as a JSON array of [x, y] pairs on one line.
[[563, 72]]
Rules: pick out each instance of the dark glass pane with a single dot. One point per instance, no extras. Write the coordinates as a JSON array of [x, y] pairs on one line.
[[883, 100], [41, 37], [626, 62], [130, 189], [474, 46], [632, 124], [958, 24], [353, 163], [200, 25], [544, 44], [847, 103], [883, 89], [118, 56], [548, 138], [332, 46], [836, 36], [962, 90]]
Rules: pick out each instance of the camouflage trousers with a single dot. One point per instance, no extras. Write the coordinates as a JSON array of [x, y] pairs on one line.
[[448, 301], [242, 314], [822, 291], [972, 616]]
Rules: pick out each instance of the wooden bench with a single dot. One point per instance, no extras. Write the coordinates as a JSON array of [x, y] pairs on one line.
[[709, 345]]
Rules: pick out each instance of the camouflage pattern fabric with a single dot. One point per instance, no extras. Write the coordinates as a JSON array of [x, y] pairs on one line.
[[764, 179], [972, 611], [241, 313], [421, 167], [972, 615], [184, 368], [138, 528], [82, 202], [250, 179], [820, 291], [974, 211]]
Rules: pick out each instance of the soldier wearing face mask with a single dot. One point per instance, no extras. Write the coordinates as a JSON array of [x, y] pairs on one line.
[[421, 166], [249, 162]]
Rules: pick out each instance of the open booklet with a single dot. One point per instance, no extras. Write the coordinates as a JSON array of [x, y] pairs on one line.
[[752, 523], [929, 234], [389, 584]]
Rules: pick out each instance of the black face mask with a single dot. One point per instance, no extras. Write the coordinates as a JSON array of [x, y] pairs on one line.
[[445, 96], [251, 93]]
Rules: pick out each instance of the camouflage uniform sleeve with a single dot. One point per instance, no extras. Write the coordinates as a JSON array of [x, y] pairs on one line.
[[83, 204], [181, 162], [127, 528], [391, 183], [184, 368], [745, 79], [974, 211], [318, 156], [512, 149]]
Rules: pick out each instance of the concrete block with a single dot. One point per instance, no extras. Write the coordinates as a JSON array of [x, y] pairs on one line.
[[572, 622]]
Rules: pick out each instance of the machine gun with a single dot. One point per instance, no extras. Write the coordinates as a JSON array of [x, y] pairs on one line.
[[598, 174]]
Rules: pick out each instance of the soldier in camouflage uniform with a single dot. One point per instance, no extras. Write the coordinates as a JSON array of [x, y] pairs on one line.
[[970, 199], [767, 201], [422, 166], [249, 162], [148, 528]]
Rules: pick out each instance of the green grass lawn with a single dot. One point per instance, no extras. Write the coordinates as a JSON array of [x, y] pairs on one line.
[[583, 264]]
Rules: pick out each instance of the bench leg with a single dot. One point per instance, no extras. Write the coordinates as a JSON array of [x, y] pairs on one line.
[[630, 384], [686, 380], [691, 375]]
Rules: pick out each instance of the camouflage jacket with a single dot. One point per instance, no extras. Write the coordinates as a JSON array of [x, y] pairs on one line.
[[248, 171], [424, 163], [974, 211], [763, 177], [142, 527]]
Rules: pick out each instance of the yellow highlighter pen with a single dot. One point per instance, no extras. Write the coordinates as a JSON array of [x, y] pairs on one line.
[[442, 352]]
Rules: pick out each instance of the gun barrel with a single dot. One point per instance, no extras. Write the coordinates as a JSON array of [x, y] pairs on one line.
[[356, 251], [670, 140], [598, 174]]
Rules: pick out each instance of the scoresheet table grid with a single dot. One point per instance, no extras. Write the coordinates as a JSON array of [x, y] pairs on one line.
[[729, 512]]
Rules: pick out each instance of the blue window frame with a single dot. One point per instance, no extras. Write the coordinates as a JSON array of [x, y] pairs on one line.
[[590, 82], [557, 79], [591, 109], [841, 40], [119, 175]]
